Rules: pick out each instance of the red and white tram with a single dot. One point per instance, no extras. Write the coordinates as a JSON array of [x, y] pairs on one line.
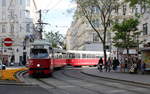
[[39, 61], [43, 59], [83, 58]]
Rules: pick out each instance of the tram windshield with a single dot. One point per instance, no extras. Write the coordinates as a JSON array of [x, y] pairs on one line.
[[39, 53]]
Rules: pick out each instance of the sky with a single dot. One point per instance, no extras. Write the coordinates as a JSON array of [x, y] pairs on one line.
[[55, 13]]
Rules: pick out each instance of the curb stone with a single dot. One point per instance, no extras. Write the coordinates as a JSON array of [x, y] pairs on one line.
[[109, 78]]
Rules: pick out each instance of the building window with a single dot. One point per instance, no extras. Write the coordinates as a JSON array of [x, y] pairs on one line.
[[27, 14], [27, 27], [96, 23], [20, 28], [94, 9], [28, 2], [3, 3], [21, 2], [95, 37], [3, 28], [12, 28], [12, 15], [133, 8], [143, 9], [116, 21], [116, 9], [136, 11], [20, 13], [145, 29], [124, 9], [3, 15]]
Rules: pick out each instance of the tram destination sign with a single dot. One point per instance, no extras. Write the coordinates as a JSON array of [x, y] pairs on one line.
[[38, 46]]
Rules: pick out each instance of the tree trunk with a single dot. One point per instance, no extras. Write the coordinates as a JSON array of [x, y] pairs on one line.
[[105, 54], [128, 61]]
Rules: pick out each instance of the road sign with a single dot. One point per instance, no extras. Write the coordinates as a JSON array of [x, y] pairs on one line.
[[8, 42]]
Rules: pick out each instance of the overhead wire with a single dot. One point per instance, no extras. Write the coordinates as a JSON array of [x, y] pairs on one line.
[[55, 27], [55, 5]]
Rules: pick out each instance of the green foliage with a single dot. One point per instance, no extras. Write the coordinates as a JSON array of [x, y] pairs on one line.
[[126, 33], [55, 38], [126, 25], [134, 2]]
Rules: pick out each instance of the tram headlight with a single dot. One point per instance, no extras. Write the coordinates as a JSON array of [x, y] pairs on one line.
[[38, 65]]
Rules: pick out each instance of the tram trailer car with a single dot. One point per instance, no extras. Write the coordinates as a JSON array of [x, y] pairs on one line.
[[59, 58], [39, 61], [84, 58]]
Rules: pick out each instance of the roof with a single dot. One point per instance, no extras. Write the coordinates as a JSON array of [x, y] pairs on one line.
[[87, 52], [40, 42]]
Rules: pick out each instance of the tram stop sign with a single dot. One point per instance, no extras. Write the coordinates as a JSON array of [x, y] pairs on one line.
[[8, 42]]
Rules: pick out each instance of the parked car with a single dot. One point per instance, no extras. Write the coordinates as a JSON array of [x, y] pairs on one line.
[[2, 66], [12, 64]]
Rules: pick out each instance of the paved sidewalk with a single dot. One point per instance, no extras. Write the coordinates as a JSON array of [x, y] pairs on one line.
[[136, 78]]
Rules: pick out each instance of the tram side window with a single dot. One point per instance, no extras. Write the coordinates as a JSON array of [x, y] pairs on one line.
[[64, 56], [93, 56], [83, 55], [77, 55], [71, 55], [60, 56], [57, 56], [89, 56]]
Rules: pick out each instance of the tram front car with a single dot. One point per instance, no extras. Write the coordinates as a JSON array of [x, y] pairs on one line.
[[40, 61]]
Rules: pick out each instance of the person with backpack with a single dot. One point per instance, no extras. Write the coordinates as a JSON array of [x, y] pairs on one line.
[[115, 63]]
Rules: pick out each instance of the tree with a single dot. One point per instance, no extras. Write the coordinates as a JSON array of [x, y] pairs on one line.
[[103, 13], [126, 34], [55, 38], [134, 2]]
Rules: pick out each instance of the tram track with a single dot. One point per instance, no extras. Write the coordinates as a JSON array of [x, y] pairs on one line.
[[94, 91], [45, 84], [104, 82], [66, 89], [74, 78], [51, 86]]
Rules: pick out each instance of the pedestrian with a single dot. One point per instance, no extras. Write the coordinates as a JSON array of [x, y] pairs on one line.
[[106, 66], [143, 67], [115, 63], [139, 65], [122, 63], [109, 63], [100, 64]]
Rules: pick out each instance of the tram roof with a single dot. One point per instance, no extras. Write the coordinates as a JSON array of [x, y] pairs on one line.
[[59, 50], [40, 42], [87, 52]]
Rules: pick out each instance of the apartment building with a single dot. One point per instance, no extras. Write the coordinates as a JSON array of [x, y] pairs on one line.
[[17, 21], [80, 36]]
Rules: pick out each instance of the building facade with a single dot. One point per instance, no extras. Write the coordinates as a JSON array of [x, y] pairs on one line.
[[17, 21], [80, 36]]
